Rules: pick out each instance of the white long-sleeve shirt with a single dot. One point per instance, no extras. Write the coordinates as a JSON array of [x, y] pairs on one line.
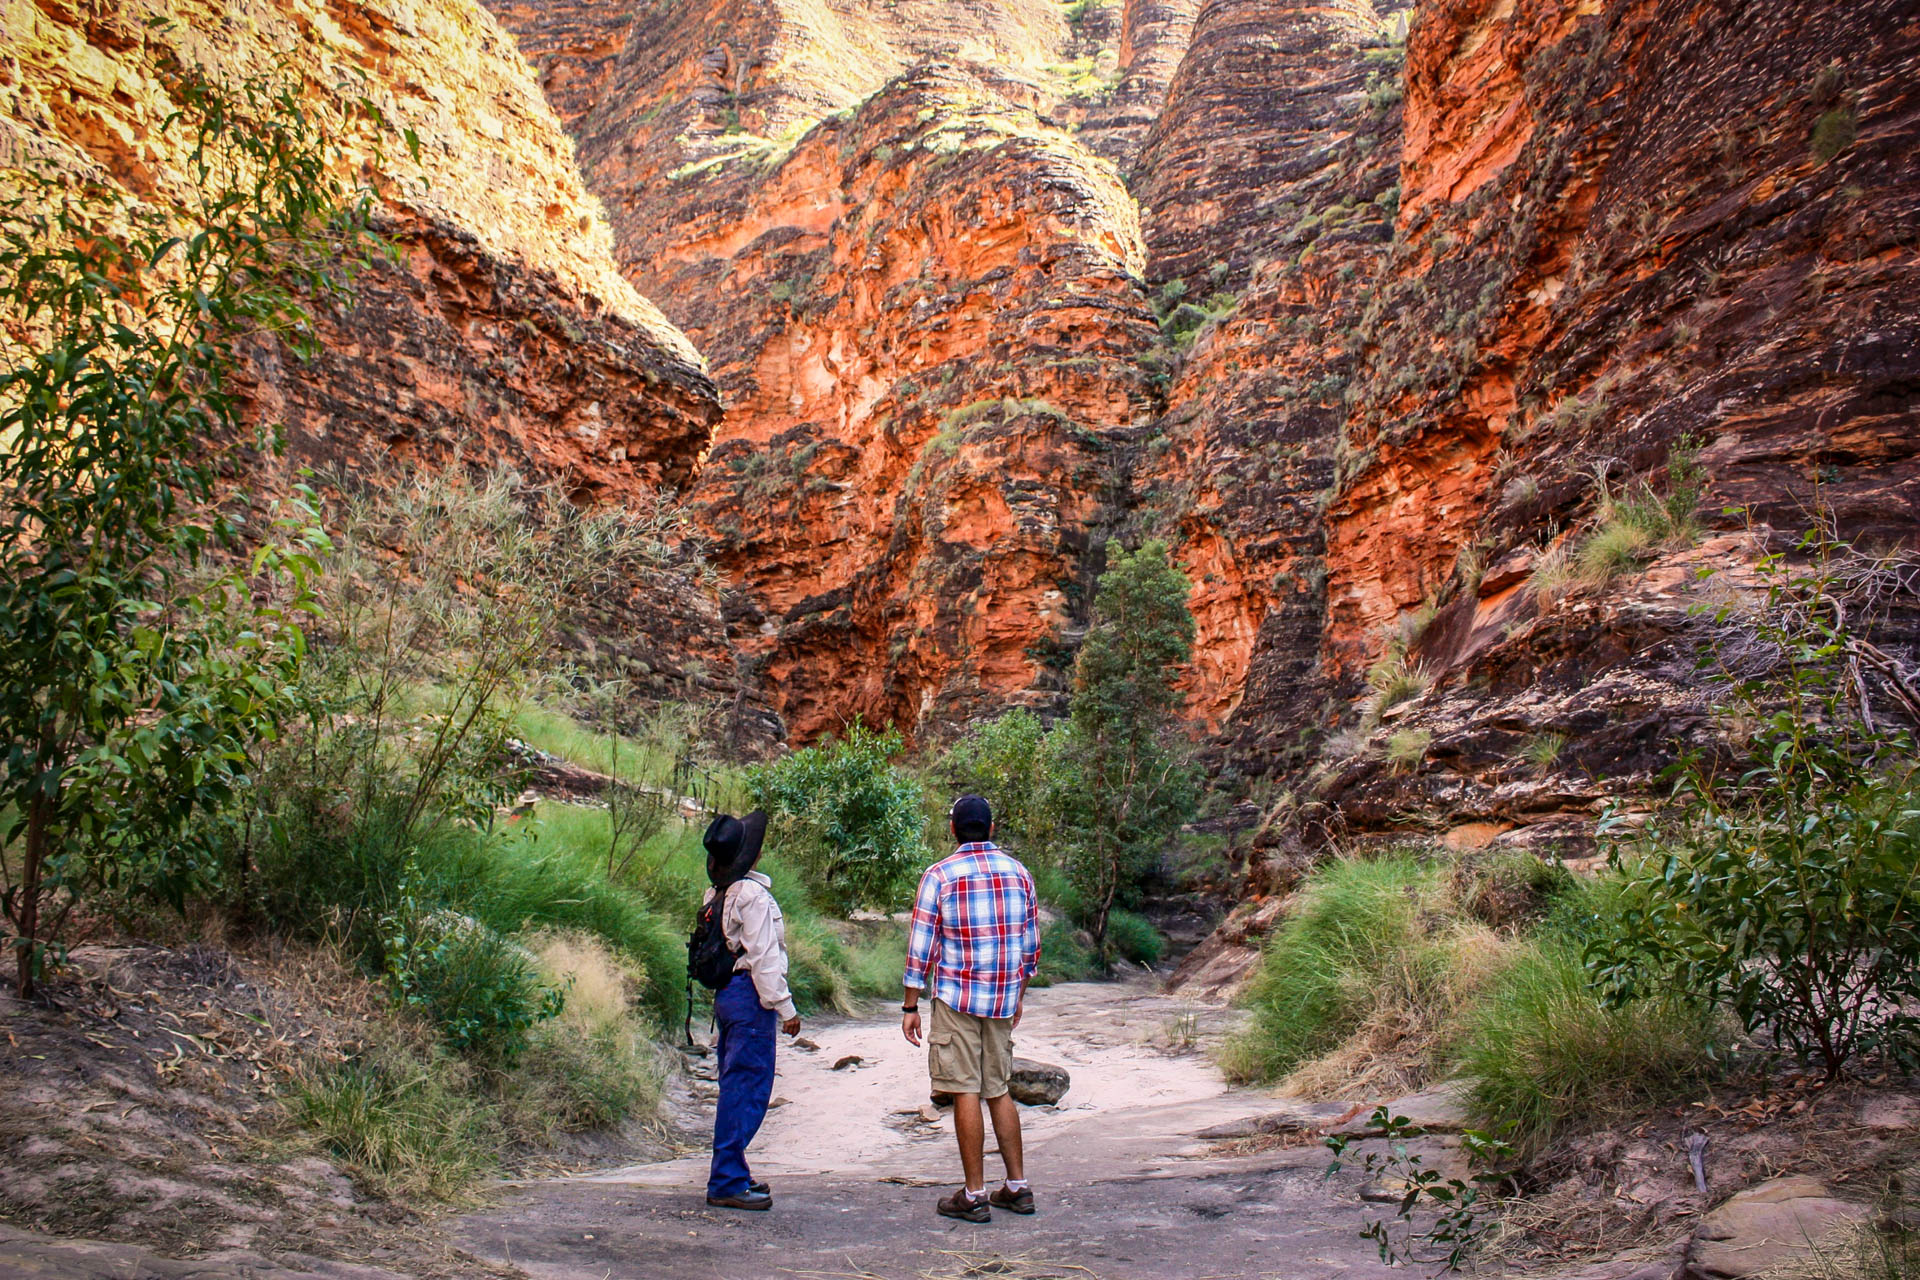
[[751, 921]]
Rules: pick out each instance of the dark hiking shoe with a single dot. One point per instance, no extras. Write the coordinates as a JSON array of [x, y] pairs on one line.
[[964, 1207], [747, 1200], [759, 1188], [1012, 1201]]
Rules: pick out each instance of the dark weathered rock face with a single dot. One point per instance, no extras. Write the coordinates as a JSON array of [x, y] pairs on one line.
[[1272, 231], [1238, 155]]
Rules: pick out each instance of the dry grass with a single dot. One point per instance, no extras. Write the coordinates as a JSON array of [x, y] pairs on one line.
[[1404, 1039]]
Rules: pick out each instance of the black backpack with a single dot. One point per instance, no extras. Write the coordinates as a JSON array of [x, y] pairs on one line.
[[710, 960]]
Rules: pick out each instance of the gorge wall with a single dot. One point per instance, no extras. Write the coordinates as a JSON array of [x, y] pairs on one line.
[[1366, 306], [503, 331], [1349, 301]]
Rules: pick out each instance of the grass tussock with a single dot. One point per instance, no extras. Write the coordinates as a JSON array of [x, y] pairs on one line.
[[1360, 986], [400, 1120], [1396, 971], [1543, 1052], [596, 1064]]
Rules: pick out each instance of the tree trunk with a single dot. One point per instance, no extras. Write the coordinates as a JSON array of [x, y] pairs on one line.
[[28, 943]]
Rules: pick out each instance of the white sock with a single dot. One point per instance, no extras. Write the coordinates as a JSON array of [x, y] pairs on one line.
[[981, 1194], [1019, 1184]]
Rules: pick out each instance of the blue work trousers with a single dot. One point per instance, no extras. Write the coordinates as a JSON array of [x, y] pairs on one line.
[[745, 1052]]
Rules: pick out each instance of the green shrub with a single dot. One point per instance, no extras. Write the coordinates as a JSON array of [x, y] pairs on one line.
[[1636, 522], [1790, 892], [399, 1120], [1394, 680], [477, 988], [877, 961], [1833, 133], [325, 876], [1135, 938], [1543, 1051], [1005, 760], [1063, 956], [850, 819]]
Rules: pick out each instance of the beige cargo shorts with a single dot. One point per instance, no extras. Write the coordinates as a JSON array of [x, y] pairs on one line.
[[967, 1054]]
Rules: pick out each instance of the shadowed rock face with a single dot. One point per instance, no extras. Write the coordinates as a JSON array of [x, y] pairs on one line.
[[1273, 226], [503, 333]]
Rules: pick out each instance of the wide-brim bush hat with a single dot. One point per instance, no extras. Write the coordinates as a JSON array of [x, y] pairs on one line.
[[733, 846]]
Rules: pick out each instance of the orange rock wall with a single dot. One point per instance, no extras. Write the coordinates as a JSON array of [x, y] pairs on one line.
[[1619, 227]]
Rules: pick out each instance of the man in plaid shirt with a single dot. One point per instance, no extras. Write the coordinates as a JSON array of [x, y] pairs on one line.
[[976, 934]]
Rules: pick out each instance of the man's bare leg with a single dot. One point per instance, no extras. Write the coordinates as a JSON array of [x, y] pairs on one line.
[[1006, 1131], [970, 1129]]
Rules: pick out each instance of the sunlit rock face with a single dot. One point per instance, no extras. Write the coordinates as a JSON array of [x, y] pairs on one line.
[[503, 333], [927, 323]]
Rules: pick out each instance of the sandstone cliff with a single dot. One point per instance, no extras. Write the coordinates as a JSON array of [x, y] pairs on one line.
[[919, 289], [504, 332], [1627, 232]]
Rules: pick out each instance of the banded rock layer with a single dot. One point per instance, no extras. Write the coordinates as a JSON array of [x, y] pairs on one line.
[[503, 334]]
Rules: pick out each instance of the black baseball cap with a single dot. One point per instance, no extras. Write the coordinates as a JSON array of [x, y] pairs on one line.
[[971, 812]]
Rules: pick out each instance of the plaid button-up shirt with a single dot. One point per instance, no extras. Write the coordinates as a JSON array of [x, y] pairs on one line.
[[976, 931]]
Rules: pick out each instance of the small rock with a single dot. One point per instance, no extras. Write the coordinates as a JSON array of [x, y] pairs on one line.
[[851, 1060], [1038, 1083], [1297, 1117], [805, 1045], [1769, 1227], [777, 1102]]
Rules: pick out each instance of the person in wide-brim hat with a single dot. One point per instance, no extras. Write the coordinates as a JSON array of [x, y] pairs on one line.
[[747, 1007], [733, 846]]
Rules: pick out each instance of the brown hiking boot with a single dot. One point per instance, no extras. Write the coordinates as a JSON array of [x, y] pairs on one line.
[[964, 1207], [1012, 1201]]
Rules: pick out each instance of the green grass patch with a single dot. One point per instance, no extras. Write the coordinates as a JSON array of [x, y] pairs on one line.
[[399, 1121], [1544, 1053]]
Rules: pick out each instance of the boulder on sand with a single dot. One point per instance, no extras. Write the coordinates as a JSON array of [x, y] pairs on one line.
[[1768, 1228], [1037, 1084]]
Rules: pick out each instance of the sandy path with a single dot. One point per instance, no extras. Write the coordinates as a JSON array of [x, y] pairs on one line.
[[1126, 1192]]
